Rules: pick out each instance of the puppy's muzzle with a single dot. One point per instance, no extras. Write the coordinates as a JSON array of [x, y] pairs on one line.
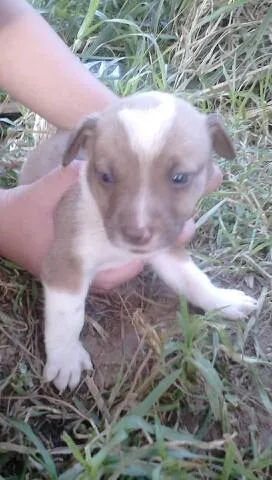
[[137, 236]]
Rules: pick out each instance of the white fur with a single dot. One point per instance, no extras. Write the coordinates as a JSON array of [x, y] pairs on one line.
[[64, 312], [186, 278], [64, 319], [147, 128]]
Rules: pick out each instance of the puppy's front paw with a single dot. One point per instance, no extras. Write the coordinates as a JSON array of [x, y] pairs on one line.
[[64, 365], [235, 303]]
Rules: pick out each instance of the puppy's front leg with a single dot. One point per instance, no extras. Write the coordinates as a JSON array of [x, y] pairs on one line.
[[64, 319], [181, 274]]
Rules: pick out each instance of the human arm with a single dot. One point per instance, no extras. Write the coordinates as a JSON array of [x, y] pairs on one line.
[[39, 70]]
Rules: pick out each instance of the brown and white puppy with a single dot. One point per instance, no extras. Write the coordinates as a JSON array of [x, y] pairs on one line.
[[148, 160]]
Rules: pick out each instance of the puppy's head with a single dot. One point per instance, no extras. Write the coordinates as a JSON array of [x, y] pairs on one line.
[[149, 163]]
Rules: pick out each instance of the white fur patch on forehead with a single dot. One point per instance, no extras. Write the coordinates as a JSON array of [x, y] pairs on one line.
[[147, 127]]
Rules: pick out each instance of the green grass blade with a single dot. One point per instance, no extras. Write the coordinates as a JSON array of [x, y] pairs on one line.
[[47, 460], [143, 408], [86, 24]]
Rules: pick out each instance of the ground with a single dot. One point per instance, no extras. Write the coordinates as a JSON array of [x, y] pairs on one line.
[[175, 394]]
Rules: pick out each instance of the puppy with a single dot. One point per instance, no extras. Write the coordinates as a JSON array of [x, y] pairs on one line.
[[148, 160]]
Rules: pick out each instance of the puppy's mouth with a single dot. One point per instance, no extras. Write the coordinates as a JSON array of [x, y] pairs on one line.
[[136, 249], [140, 251], [155, 245]]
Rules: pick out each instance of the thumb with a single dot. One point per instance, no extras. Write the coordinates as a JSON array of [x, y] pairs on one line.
[[52, 186]]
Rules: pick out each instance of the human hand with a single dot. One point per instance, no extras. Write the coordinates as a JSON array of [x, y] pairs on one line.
[[26, 217]]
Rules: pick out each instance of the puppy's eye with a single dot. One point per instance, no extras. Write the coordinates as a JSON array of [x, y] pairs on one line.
[[106, 177], [180, 179]]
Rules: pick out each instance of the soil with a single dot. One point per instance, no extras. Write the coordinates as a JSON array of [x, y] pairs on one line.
[[120, 329]]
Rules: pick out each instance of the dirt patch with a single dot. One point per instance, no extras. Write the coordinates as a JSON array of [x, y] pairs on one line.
[[121, 327], [128, 320]]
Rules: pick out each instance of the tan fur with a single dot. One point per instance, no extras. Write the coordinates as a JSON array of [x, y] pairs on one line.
[[186, 147], [44, 158], [68, 273]]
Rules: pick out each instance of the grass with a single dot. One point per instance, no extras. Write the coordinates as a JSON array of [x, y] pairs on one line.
[[193, 401]]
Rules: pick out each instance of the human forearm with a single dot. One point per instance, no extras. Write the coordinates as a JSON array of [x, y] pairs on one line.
[[47, 78]]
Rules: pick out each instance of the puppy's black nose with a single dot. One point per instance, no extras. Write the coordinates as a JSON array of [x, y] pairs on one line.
[[136, 235]]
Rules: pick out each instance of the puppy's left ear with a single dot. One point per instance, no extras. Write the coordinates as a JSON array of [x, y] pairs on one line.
[[79, 138], [220, 139]]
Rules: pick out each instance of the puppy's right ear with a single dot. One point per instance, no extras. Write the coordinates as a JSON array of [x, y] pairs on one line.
[[220, 139], [78, 139]]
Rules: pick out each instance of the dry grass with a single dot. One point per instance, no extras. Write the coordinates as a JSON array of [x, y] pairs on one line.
[[176, 394]]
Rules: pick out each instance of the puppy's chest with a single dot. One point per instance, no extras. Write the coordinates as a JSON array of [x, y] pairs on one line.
[[96, 251]]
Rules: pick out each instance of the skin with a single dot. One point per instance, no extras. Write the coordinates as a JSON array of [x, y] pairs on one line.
[[47, 78]]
